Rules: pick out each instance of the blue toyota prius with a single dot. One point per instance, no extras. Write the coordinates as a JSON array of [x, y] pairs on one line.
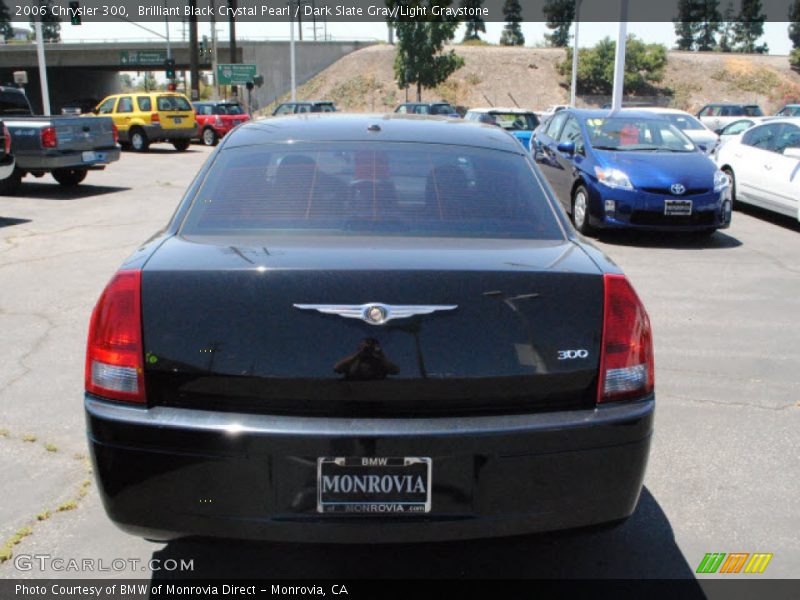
[[630, 169]]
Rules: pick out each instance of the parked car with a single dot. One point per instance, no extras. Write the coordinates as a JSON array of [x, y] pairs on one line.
[[739, 126], [518, 121], [443, 109], [79, 106], [215, 119], [790, 110], [6, 158], [702, 136], [381, 353], [65, 147], [763, 165], [309, 106], [145, 118], [717, 116], [630, 169]]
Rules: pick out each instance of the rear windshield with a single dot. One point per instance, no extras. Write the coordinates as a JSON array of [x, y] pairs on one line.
[[684, 122], [173, 103], [228, 109], [13, 103], [392, 189]]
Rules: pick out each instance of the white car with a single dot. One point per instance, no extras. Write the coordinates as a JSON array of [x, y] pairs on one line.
[[763, 165], [701, 135], [716, 116]]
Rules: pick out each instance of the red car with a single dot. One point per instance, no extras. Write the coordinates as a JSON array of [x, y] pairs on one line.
[[215, 119]]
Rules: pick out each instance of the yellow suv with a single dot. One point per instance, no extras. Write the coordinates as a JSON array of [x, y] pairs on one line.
[[143, 118]]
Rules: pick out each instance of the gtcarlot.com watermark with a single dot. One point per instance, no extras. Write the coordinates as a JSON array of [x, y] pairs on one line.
[[48, 562]]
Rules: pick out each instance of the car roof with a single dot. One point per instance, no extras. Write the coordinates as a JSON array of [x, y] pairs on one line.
[[308, 102], [589, 113], [501, 109], [726, 103], [394, 127], [779, 120], [661, 110]]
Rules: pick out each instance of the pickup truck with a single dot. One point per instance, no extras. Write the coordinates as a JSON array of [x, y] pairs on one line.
[[66, 147]]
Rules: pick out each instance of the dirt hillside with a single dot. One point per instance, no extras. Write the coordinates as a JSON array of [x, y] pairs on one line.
[[497, 75]]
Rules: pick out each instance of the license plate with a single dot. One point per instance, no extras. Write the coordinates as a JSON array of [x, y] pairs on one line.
[[177, 120], [89, 156], [374, 485], [677, 207]]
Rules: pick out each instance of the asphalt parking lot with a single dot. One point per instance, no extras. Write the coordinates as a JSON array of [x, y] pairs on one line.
[[724, 470]]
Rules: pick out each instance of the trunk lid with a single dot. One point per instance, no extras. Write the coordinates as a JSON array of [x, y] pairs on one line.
[[221, 331]]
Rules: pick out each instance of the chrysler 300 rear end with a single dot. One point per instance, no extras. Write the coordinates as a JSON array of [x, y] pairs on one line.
[[368, 329]]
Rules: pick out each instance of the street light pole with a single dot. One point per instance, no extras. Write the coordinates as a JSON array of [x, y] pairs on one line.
[[166, 21], [291, 58], [37, 25], [573, 90], [619, 58], [214, 48]]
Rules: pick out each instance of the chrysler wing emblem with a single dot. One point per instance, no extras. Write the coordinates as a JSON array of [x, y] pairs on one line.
[[376, 313], [678, 189]]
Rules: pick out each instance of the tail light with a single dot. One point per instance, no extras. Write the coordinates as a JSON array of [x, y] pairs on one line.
[[154, 118], [49, 137], [7, 140], [626, 358], [114, 355], [115, 132]]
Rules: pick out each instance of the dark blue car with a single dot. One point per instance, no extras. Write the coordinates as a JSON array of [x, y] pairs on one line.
[[630, 169]]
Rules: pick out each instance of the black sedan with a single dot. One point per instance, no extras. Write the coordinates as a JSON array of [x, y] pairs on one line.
[[368, 328]]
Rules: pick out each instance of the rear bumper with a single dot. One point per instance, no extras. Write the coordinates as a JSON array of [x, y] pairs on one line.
[[156, 133], [51, 160], [166, 473]]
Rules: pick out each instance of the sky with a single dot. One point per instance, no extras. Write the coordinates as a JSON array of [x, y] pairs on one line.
[[775, 33]]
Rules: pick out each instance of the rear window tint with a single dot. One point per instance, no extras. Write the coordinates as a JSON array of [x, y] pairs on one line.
[[391, 189], [173, 103]]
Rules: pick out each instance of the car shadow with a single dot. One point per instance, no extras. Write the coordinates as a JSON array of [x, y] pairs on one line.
[[165, 149], [673, 240], [768, 215], [642, 547], [9, 221], [54, 191]]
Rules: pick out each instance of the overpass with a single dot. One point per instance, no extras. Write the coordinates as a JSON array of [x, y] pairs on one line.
[[90, 70]]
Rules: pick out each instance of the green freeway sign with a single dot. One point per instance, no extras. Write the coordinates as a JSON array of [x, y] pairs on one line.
[[136, 58], [237, 74]]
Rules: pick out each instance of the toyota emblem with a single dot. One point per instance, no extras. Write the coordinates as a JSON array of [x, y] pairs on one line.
[[678, 189]]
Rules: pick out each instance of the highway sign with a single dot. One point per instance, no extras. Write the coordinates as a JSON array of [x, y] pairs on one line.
[[235, 74], [137, 58]]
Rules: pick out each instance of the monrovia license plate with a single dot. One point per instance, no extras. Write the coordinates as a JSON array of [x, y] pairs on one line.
[[677, 207], [374, 485]]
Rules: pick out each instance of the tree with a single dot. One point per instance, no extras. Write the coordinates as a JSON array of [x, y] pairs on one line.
[[6, 30], [794, 23], [709, 23], [749, 27], [512, 32], [476, 25], [560, 14], [794, 60], [684, 24], [697, 24], [644, 66], [725, 43], [420, 58], [51, 24]]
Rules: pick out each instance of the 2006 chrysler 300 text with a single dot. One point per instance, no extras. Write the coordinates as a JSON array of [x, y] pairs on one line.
[[368, 328]]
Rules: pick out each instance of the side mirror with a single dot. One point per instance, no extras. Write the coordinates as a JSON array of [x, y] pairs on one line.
[[566, 148], [719, 130], [792, 152], [702, 147]]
